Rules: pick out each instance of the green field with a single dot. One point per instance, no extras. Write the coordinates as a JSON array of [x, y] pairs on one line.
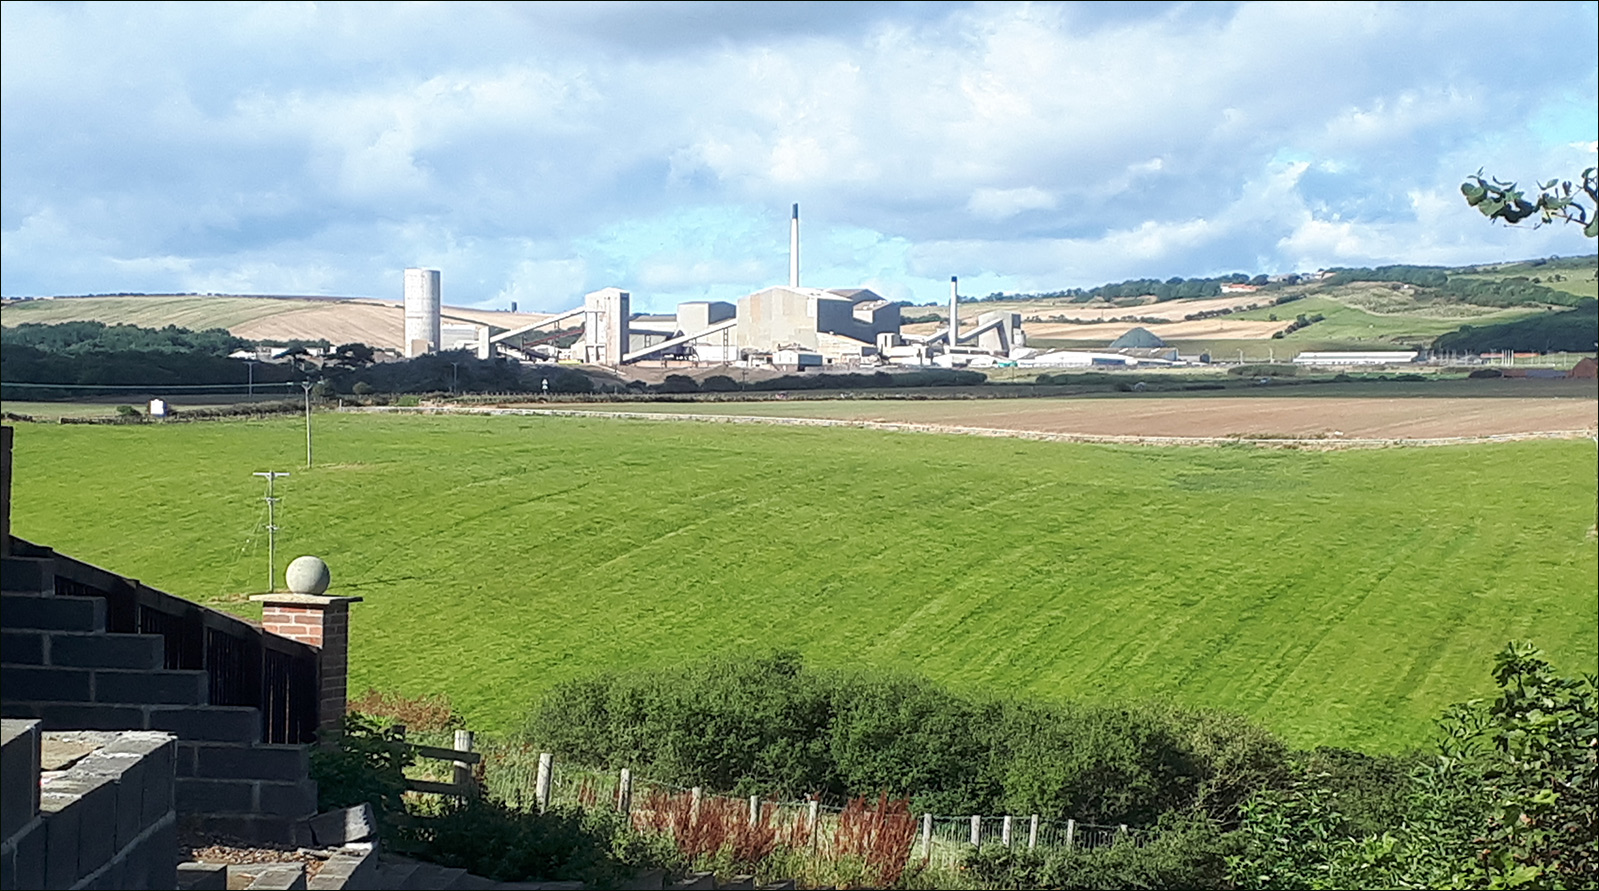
[[1339, 597]]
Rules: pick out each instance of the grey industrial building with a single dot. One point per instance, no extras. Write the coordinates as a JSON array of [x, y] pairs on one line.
[[786, 324]]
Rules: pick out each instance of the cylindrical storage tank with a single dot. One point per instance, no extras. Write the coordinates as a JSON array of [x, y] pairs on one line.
[[422, 298]]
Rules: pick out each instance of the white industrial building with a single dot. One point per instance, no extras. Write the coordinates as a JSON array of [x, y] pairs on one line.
[[1374, 357], [789, 325]]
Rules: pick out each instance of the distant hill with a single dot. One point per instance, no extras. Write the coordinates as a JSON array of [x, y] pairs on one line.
[[377, 323]]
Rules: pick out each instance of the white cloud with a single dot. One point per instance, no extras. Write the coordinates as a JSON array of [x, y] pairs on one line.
[[1039, 145]]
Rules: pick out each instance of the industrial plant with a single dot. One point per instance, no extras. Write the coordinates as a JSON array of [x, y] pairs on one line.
[[787, 326]]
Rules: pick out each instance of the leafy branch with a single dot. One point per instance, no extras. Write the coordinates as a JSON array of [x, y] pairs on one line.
[[1557, 200]]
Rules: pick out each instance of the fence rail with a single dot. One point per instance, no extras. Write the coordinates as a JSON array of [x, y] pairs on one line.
[[938, 840], [244, 664]]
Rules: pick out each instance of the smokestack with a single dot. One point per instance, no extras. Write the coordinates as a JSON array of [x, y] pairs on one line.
[[793, 249], [954, 315]]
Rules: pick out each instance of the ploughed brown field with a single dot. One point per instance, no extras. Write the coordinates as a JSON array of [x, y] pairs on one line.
[[1193, 415]]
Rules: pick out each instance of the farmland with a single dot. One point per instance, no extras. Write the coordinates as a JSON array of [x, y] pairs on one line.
[[1339, 597]]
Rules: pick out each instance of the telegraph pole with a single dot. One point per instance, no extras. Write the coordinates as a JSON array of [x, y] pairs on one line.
[[306, 385], [272, 528]]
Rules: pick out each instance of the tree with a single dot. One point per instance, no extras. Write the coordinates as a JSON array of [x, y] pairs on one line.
[[1556, 200]]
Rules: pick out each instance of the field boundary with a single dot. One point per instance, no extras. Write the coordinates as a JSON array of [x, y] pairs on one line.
[[998, 432]]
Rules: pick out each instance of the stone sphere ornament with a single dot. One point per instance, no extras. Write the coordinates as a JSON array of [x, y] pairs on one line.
[[307, 575]]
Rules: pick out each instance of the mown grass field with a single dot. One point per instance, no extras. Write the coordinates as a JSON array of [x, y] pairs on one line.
[[1339, 597]]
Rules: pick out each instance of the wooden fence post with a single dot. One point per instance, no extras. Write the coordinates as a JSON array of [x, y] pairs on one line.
[[755, 809], [541, 787], [1071, 831], [1121, 832], [977, 830], [1004, 832], [927, 836], [624, 793], [815, 815], [694, 804], [1032, 833], [463, 771]]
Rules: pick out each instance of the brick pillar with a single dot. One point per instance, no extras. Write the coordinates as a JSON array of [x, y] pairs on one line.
[[322, 622]]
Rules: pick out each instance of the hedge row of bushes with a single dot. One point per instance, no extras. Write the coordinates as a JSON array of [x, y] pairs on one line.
[[773, 726]]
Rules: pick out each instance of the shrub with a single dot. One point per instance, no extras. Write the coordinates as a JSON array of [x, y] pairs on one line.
[[362, 388], [1187, 852], [719, 383]]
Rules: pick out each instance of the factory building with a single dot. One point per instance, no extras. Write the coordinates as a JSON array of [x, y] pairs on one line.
[[790, 325]]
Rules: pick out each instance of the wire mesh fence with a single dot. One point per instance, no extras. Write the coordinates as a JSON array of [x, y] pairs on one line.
[[883, 834]]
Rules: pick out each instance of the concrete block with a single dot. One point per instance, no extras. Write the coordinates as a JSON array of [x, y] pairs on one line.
[[220, 723], [267, 876], [52, 613], [257, 762], [92, 800], [351, 824], [193, 876], [26, 575], [353, 868], [253, 828], [165, 687], [287, 799], [135, 652], [155, 751], [28, 848], [22, 647], [739, 883], [646, 880], [780, 885], [19, 775], [696, 881], [45, 684], [88, 716], [126, 773], [161, 846], [61, 831], [196, 796]]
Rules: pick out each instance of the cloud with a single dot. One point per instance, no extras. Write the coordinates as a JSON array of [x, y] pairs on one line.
[[547, 149]]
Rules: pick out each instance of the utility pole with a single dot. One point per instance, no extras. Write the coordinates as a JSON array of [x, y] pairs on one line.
[[272, 528], [306, 385]]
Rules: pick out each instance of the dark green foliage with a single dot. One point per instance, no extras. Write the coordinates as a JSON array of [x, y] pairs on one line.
[[771, 726], [365, 764], [936, 377], [1185, 852], [1514, 291], [81, 338], [1264, 370], [1511, 800], [491, 839], [677, 383], [90, 373], [1300, 321], [1557, 200], [718, 383], [1574, 330], [460, 371]]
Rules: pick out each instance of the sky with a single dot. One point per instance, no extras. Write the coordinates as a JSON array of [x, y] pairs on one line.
[[535, 152]]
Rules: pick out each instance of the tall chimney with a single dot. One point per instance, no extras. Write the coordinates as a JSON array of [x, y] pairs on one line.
[[954, 316], [793, 249]]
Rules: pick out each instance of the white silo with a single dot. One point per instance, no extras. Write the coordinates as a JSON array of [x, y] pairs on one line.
[[422, 293]]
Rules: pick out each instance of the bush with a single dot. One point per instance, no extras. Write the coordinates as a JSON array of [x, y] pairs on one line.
[[768, 725], [719, 383], [677, 383], [1485, 373], [1187, 853], [1272, 370], [362, 388]]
